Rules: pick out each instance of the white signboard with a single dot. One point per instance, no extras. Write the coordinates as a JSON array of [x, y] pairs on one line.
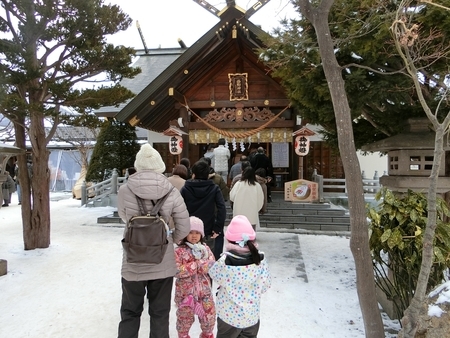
[[280, 155]]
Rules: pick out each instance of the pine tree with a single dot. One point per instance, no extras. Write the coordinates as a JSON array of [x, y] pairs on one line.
[[47, 49], [116, 148], [381, 97]]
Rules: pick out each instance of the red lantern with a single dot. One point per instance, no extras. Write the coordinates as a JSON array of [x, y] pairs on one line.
[[301, 145], [176, 145]]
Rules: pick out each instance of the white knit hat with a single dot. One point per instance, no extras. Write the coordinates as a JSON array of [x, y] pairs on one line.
[[149, 159]]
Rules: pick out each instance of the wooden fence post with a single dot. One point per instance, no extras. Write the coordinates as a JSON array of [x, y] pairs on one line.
[[83, 193], [319, 180], [114, 181]]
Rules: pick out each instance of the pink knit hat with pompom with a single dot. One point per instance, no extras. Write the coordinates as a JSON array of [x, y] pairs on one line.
[[239, 226]]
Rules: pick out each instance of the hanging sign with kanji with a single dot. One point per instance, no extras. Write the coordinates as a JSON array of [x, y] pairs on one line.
[[176, 145], [301, 145]]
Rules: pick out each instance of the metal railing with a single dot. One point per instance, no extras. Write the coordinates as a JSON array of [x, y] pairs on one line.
[[102, 189]]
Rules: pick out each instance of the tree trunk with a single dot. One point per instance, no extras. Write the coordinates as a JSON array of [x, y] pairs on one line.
[[24, 179], [411, 315], [359, 243], [37, 228]]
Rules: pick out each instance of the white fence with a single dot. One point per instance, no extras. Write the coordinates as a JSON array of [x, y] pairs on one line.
[[338, 187]]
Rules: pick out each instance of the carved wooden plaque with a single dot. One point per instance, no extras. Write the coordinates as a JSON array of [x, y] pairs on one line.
[[238, 86]]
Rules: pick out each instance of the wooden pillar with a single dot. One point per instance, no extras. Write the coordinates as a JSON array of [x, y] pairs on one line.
[[298, 126], [185, 115], [300, 167]]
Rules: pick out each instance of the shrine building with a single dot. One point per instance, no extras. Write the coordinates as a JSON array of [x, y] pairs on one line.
[[219, 87]]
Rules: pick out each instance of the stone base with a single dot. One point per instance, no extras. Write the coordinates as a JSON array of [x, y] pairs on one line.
[[3, 267]]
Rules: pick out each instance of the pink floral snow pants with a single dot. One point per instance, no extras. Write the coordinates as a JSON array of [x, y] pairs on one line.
[[186, 317]]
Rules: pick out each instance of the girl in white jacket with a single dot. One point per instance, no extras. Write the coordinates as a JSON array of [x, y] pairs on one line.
[[247, 197], [242, 275]]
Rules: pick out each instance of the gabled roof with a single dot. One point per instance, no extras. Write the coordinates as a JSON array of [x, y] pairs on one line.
[[153, 108], [417, 134], [152, 64], [7, 149]]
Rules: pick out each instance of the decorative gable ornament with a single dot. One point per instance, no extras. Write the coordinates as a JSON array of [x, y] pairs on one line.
[[238, 85]]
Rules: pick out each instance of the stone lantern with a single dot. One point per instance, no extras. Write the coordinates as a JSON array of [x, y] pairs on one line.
[[410, 158]]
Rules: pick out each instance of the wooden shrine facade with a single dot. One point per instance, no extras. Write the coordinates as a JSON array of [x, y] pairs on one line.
[[216, 88]]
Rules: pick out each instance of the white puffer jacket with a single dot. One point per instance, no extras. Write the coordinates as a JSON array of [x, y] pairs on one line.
[[150, 185]]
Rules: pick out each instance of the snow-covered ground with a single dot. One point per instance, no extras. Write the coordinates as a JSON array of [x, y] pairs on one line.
[[72, 289]]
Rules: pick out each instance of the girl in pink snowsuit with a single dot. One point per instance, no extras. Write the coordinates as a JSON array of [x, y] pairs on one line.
[[193, 295]]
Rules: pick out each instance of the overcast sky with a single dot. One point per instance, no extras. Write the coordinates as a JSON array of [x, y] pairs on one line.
[[163, 22]]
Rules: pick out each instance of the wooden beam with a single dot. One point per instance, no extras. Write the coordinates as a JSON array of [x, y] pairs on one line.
[[245, 124], [231, 104], [210, 8], [256, 7], [177, 95]]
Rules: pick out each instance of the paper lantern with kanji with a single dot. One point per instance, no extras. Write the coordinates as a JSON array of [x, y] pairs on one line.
[[176, 145], [301, 145]]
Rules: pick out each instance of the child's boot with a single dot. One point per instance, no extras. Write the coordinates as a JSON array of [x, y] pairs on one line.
[[206, 335]]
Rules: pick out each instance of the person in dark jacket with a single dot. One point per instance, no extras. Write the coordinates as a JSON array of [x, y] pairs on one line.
[[185, 161], [204, 200], [218, 179], [261, 160]]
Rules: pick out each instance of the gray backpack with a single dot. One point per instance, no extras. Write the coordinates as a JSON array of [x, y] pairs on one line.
[[146, 234]]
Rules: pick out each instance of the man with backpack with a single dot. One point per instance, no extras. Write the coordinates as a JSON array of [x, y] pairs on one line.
[[140, 277]]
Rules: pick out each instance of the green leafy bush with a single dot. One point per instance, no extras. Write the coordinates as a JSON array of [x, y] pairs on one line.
[[397, 226]]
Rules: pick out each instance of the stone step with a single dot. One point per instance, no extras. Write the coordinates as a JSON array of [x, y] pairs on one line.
[[322, 226], [286, 215], [295, 211], [307, 219], [112, 218], [332, 217]]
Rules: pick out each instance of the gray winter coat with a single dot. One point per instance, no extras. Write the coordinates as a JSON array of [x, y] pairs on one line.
[[8, 187], [150, 185]]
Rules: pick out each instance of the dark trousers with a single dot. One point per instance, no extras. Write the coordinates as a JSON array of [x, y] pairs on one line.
[[218, 246], [159, 294], [269, 192], [211, 242], [225, 330]]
